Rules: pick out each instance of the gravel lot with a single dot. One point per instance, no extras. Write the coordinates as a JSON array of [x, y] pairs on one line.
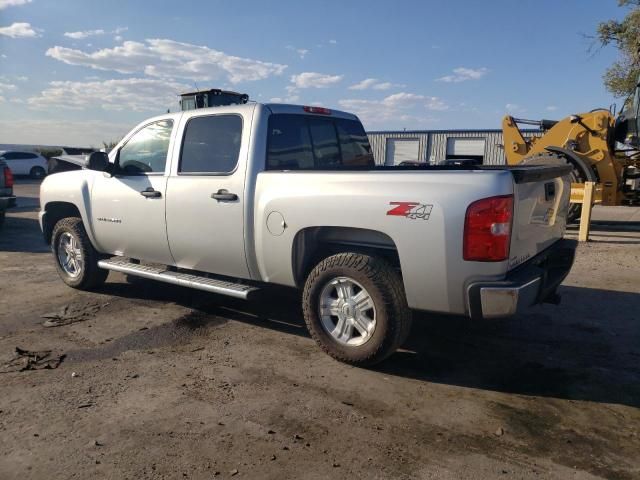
[[162, 382]]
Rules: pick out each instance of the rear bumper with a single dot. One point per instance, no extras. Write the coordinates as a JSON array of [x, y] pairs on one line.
[[7, 202], [533, 282]]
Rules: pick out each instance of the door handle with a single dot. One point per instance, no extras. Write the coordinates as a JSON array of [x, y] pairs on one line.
[[223, 195], [151, 193]]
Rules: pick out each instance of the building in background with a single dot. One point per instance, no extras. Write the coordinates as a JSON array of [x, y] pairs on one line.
[[435, 146]]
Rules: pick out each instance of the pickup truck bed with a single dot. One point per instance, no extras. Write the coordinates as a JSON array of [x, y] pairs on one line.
[[229, 199]]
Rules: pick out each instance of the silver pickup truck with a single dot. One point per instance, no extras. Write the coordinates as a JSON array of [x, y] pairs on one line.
[[229, 199]]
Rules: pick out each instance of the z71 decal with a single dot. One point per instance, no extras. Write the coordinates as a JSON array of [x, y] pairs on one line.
[[410, 210]]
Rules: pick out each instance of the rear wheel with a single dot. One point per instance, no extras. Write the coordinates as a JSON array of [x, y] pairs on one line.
[[76, 259], [37, 172], [355, 308]]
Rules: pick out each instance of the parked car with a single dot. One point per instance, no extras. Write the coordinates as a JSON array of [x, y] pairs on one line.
[[7, 199], [229, 199], [25, 163]]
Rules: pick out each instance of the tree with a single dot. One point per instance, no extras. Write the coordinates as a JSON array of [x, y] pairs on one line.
[[108, 146], [621, 78]]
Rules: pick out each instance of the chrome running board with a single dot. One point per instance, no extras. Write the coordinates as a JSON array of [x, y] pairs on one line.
[[161, 274]]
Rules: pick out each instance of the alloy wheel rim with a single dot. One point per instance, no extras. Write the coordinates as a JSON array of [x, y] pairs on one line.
[[347, 311], [70, 255]]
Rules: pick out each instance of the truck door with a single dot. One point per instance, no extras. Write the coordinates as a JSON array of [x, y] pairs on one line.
[[128, 208], [205, 195]]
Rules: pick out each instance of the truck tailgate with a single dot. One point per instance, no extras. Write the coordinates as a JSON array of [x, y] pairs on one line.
[[541, 202]]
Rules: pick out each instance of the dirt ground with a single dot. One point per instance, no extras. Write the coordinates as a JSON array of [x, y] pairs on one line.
[[162, 382]]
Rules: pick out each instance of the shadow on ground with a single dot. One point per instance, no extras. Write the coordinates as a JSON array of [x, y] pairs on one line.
[[21, 234], [585, 349]]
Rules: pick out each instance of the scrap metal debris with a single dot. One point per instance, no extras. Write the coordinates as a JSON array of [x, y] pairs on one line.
[[72, 313], [28, 360]]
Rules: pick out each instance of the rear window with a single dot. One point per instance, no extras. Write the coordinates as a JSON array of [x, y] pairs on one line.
[[304, 142], [211, 144]]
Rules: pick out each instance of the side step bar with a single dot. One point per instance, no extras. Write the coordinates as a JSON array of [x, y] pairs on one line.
[[213, 285]]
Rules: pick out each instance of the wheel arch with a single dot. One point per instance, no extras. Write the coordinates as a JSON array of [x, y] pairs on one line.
[[56, 211], [311, 245]]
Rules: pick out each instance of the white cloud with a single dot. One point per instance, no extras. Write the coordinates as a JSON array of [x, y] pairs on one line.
[[94, 33], [7, 86], [462, 74], [551, 108], [287, 99], [137, 94], [513, 108], [169, 59], [12, 3], [19, 30], [302, 52], [399, 107], [118, 38], [374, 84], [3, 56], [84, 34], [314, 80], [2, 99], [364, 84], [61, 132], [333, 42], [403, 99]]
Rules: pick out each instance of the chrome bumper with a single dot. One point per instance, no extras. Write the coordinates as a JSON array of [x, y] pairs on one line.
[[534, 282]]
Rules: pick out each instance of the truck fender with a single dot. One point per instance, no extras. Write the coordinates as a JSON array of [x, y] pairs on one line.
[[578, 162], [64, 203]]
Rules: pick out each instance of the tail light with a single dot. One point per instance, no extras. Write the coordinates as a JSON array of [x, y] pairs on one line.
[[487, 229], [8, 177]]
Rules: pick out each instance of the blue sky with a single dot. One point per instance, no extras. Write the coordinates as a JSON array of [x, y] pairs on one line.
[[79, 72]]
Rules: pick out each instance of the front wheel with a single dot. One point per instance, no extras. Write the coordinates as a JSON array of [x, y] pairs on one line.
[[76, 259], [355, 308]]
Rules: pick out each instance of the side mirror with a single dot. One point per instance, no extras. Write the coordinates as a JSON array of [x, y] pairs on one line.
[[98, 161]]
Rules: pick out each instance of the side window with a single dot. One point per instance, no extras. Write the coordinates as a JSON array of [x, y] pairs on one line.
[[325, 143], [289, 145], [354, 143], [146, 151], [10, 156], [211, 144]]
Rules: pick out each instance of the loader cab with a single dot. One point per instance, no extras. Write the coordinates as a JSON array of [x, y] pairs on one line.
[[211, 98], [627, 127]]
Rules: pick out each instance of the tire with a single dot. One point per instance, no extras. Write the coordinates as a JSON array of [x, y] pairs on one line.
[[37, 173], [389, 310], [82, 271], [575, 209]]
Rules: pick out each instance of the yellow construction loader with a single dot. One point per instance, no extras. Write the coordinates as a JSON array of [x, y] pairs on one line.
[[601, 147]]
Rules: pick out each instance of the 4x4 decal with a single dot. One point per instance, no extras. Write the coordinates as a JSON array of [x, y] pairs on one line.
[[411, 210]]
